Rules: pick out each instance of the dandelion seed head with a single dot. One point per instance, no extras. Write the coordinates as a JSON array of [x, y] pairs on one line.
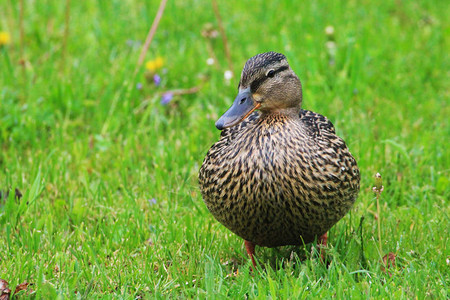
[[210, 61]]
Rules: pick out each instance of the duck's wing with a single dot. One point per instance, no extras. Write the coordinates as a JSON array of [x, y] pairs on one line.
[[333, 151], [316, 123]]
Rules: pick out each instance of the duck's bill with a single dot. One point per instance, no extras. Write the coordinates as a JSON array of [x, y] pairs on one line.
[[242, 107]]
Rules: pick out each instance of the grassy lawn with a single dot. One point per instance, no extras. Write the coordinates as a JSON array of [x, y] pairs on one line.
[[108, 172]]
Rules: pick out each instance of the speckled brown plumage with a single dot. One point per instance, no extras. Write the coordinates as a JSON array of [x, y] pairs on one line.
[[281, 176]]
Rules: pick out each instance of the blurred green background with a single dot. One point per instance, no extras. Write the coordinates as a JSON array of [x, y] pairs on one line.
[[106, 151]]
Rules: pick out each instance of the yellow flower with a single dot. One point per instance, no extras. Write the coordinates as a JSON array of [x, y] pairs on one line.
[[5, 38], [153, 65]]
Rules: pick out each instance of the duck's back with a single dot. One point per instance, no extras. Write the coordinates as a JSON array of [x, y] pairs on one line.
[[276, 181]]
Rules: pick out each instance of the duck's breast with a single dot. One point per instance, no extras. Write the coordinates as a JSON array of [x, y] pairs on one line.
[[271, 183]]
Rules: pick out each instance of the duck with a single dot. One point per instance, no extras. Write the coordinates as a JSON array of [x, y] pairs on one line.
[[278, 175]]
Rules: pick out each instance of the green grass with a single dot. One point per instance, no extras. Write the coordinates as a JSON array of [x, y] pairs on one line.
[[88, 150]]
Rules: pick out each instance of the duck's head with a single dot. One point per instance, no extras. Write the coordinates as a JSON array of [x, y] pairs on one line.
[[267, 83]]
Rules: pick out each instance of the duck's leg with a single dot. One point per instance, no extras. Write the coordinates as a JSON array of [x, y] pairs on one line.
[[251, 251], [322, 244]]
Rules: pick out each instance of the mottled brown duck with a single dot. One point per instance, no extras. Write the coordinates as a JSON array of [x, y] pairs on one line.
[[279, 175]]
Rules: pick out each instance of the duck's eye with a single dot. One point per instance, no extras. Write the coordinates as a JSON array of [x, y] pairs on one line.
[[271, 73]]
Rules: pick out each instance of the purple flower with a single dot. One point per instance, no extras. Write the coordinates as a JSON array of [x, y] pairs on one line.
[[166, 98], [133, 43], [152, 201], [139, 86], [156, 79]]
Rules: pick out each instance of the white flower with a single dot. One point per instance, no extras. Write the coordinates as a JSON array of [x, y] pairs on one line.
[[330, 45], [329, 30], [210, 61], [228, 75]]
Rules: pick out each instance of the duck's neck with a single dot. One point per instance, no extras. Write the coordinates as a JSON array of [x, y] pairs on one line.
[[291, 112]]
